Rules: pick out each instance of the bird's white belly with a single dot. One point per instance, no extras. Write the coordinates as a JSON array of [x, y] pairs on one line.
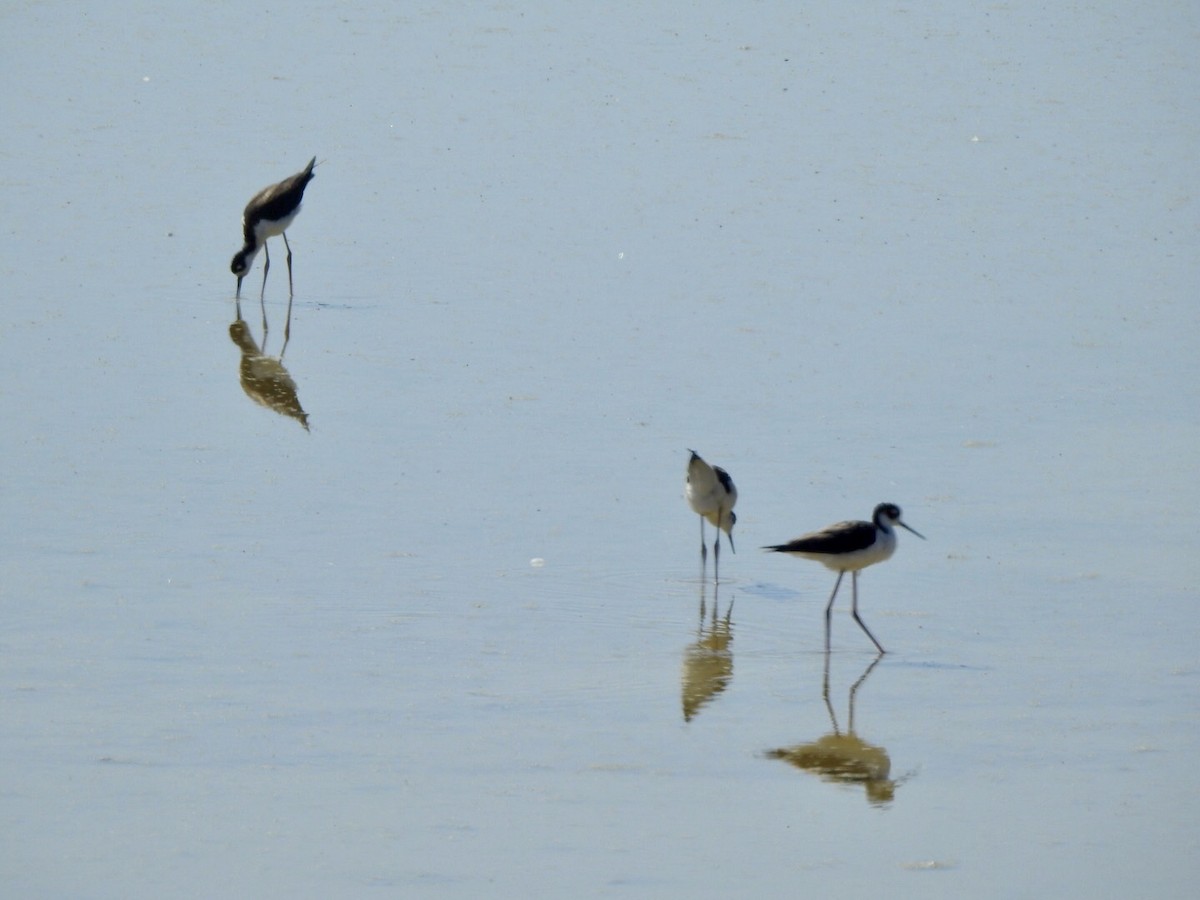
[[264, 228], [704, 504], [854, 560]]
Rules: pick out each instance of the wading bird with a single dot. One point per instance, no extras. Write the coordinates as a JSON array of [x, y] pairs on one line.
[[711, 494], [269, 213], [848, 547]]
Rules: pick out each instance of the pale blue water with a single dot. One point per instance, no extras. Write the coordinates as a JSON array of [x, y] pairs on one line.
[[939, 256]]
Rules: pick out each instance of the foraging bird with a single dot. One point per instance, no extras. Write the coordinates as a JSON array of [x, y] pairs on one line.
[[848, 547], [269, 213], [711, 494]]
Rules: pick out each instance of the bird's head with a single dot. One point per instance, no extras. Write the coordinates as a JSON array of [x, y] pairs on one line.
[[727, 525], [240, 264], [889, 513]]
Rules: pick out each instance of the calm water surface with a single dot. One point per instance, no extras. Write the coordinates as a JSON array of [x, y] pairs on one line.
[[412, 606]]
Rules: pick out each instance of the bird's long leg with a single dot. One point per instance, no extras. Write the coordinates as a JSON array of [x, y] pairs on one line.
[[266, 268], [289, 262], [854, 612], [703, 548], [717, 547], [829, 608], [262, 303]]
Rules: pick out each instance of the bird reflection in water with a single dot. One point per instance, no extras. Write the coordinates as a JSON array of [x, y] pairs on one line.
[[263, 377], [707, 662], [845, 758]]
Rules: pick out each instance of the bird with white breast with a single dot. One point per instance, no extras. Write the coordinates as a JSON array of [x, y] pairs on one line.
[[850, 547], [711, 494]]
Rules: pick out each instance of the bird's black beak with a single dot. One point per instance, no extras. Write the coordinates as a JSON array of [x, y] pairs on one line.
[[914, 531], [238, 295]]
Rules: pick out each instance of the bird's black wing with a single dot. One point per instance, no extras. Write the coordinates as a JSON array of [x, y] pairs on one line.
[[278, 200], [844, 537], [723, 477]]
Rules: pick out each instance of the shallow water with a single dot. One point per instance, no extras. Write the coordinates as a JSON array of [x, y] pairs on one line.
[[454, 640]]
